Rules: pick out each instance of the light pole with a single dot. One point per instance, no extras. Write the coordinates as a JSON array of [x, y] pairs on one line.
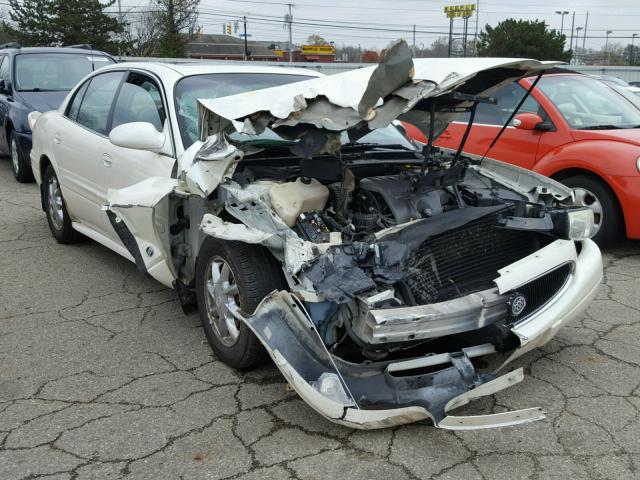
[[577, 40], [606, 46], [631, 53], [562, 14]]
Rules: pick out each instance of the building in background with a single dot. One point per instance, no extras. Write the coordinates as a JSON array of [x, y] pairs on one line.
[[227, 47]]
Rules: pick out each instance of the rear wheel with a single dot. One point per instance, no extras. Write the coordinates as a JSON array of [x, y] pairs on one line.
[[595, 194], [232, 277], [55, 209], [21, 168]]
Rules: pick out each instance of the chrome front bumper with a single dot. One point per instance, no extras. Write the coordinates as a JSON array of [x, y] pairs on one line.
[[372, 396]]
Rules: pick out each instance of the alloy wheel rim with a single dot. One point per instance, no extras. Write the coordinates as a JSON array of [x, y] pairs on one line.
[[14, 156], [55, 203], [586, 198], [222, 301]]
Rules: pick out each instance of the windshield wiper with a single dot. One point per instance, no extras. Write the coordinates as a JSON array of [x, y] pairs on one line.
[[606, 127]]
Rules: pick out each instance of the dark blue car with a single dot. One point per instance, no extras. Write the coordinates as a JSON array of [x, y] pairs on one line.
[[36, 78]]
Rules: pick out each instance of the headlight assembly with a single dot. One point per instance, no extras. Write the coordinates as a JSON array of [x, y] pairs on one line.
[[574, 224]]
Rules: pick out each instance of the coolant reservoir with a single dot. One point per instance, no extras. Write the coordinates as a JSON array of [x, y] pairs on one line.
[[290, 199]]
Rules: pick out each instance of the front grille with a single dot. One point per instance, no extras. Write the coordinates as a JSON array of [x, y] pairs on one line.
[[539, 291], [466, 259]]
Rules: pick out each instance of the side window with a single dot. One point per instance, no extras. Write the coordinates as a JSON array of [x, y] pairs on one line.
[[5, 73], [139, 100], [74, 106], [507, 99], [96, 105]]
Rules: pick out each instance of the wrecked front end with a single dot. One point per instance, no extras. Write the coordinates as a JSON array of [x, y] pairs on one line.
[[388, 324], [413, 277]]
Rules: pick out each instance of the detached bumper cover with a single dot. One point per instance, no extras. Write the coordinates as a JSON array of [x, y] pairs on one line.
[[379, 394]]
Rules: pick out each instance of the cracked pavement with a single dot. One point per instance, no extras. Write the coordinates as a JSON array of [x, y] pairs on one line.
[[103, 377]]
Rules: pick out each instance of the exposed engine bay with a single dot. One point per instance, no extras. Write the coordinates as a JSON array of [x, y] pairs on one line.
[[459, 228]]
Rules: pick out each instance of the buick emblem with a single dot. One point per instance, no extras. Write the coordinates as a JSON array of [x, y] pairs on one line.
[[517, 303]]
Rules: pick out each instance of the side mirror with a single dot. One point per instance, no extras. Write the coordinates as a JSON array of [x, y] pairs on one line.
[[4, 88], [138, 136], [527, 121]]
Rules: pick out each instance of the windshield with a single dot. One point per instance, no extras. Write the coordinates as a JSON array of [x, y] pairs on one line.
[[190, 89], [39, 72], [588, 104]]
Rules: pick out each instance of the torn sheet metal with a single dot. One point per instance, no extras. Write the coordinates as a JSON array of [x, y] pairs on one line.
[[146, 193], [366, 395], [206, 164], [529, 183], [375, 95], [139, 215]]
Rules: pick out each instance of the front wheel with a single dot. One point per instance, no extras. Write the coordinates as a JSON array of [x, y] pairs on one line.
[[595, 194], [233, 277], [55, 209], [21, 168]]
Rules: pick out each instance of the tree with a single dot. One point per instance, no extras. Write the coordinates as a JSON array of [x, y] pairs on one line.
[[370, 56], [316, 40], [141, 35], [84, 21], [522, 39], [176, 21], [33, 21], [63, 22]]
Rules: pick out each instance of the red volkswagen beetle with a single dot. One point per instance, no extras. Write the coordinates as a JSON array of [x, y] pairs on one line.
[[574, 129]]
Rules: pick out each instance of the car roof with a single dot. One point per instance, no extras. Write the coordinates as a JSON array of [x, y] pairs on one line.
[[198, 68], [51, 50]]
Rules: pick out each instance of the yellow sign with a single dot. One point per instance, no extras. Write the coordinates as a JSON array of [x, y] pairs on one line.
[[463, 11], [318, 50], [279, 53]]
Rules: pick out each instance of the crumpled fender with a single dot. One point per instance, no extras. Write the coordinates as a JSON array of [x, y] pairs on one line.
[[368, 396]]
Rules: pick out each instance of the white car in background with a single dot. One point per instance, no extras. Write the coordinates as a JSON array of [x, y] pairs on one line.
[[305, 226]]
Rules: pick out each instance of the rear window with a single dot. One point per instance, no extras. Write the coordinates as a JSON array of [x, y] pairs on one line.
[[47, 72]]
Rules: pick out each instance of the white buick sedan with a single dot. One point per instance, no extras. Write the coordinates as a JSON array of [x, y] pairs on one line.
[[299, 221]]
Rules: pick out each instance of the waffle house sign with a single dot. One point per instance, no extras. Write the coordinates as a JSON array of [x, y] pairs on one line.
[[462, 11], [317, 50]]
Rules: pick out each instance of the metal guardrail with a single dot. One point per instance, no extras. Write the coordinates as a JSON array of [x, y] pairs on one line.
[[628, 74]]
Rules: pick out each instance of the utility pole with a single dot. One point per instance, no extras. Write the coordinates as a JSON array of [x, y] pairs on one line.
[[289, 20], [475, 35], [573, 19], [577, 40], [606, 46], [584, 38], [246, 49], [562, 13], [450, 36], [414, 39], [631, 53], [464, 37]]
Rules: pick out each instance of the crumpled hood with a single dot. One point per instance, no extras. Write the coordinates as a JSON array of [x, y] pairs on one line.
[[364, 99]]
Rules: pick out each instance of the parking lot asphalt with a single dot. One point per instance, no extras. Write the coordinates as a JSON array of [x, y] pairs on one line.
[[103, 377]]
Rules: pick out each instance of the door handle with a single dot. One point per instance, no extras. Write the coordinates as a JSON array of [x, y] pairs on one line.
[[106, 160], [56, 139]]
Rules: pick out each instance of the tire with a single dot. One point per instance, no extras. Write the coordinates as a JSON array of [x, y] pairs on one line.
[[596, 194], [56, 211], [21, 167], [255, 273]]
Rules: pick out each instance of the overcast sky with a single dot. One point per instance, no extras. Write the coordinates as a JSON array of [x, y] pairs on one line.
[[620, 16]]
